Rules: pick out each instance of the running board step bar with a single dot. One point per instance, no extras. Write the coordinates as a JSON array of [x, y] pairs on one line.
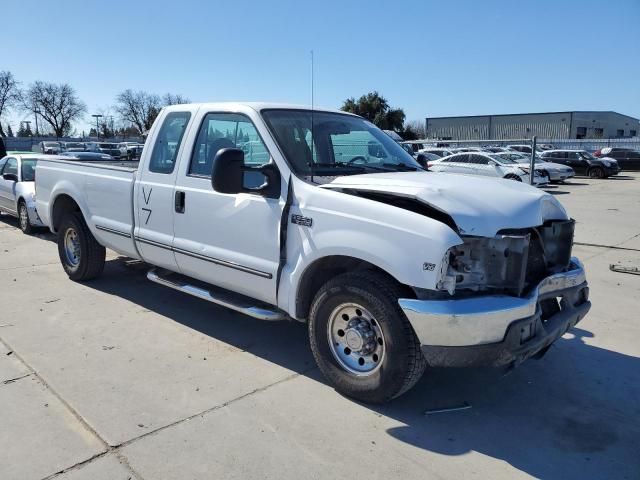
[[220, 296]]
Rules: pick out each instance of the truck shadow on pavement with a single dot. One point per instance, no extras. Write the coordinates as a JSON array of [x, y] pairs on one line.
[[573, 414]]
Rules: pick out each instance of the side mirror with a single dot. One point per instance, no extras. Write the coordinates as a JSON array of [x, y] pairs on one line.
[[12, 177], [422, 161], [228, 174]]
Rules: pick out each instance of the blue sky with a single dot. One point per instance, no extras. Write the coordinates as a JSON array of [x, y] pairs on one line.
[[429, 58]]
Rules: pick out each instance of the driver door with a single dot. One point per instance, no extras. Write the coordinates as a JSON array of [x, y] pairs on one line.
[[228, 240]]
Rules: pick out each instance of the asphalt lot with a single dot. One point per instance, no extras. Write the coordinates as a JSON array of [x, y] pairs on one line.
[[121, 378]]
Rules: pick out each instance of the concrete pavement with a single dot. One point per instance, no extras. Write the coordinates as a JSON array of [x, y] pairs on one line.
[[121, 378]]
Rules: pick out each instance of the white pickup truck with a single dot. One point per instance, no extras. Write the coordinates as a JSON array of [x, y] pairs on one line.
[[284, 212]]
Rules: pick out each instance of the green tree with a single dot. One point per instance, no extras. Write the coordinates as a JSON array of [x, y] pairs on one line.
[[375, 108]]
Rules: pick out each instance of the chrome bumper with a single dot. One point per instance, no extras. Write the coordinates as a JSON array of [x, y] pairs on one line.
[[486, 319]]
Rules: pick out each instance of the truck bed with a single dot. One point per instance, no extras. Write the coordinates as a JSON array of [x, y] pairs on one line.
[[102, 190]]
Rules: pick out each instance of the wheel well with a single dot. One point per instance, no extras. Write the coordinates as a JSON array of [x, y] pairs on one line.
[[62, 205], [326, 268]]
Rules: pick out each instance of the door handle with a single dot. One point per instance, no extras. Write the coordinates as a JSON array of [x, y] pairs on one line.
[[179, 202]]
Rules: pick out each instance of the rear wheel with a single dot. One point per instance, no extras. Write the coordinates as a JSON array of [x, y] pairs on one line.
[[361, 339], [596, 172], [23, 218], [82, 257]]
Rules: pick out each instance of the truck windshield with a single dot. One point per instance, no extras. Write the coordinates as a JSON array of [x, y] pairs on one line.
[[338, 144]]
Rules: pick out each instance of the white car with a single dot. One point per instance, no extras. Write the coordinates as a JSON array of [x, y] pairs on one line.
[[486, 165], [393, 268], [50, 147], [439, 151], [555, 171], [17, 189]]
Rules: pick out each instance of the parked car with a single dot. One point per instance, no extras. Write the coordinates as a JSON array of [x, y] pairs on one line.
[[627, 158], [87, 156], [491, 149], [525, 148], [130, 150], [486, 165], [583, 162], [440, 152], [73, 147], [465, 149], [392, 267], [50, 147], [555, 171], [102, 147], [17, 189]]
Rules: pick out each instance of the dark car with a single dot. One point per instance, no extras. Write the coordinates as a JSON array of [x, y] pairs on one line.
[[627, 158], [583, 162]]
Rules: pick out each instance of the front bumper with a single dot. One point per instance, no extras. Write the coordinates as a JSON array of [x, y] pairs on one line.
[[611, 171], [498, 330]]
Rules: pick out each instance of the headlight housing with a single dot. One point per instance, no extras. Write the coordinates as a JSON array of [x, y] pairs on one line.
[[607, 163]]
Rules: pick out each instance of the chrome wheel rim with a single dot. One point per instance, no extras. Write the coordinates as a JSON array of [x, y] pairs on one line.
[[24, 219], [72, 247], [356, 339]]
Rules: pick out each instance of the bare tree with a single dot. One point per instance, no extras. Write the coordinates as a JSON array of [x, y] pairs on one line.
[[175, 99], [9, 94], [57, 104], [141, 108]]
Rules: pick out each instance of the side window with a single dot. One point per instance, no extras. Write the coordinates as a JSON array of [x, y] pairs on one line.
[[2, 162], [165, 150], [11, 166], [226, 130]]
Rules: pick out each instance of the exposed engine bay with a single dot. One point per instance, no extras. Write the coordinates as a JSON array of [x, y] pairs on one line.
[[512, 262]]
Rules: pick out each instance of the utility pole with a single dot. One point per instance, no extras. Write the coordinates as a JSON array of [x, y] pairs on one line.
[[97, 116]]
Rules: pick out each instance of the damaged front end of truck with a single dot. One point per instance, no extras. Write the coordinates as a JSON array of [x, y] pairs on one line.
[[508, 298]]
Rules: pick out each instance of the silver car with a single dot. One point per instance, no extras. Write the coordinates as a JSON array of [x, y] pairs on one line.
[[555, 171], [17, 189]]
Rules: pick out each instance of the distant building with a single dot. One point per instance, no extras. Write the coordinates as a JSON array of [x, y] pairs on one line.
[[552, 125]]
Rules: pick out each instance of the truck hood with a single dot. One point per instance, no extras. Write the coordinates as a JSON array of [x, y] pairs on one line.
[[478, 206]]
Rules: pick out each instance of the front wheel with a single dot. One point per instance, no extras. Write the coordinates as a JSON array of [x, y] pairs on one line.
[[511, 176], [596, 172], [82, 257], [362, 340], [23, 218]]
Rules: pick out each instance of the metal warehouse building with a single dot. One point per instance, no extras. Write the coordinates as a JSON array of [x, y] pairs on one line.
[[553, 125]]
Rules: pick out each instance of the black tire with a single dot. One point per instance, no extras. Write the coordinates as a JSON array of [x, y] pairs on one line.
[[90, 254], [513, 177], [596, 172], [402, 364], [23, 218]]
